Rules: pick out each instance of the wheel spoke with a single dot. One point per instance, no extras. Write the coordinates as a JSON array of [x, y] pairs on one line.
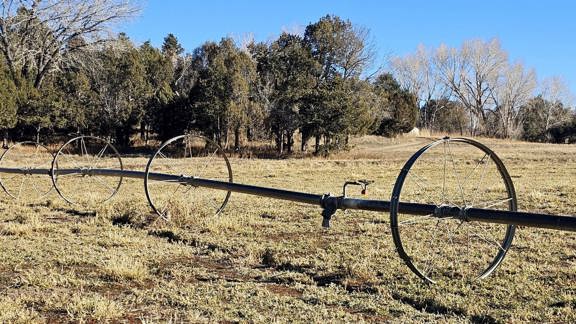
[[420, 219], [475, 167], [491, 240], [104, 184], [75, 185], [24, 178], [35, 187], [31, 166], [450, 234], [168, 163], [13, 177], [167, 204], [198, 157], [44, 163], [208, 162], [420, 191], [492, 203], [83, 149], [480, 182], [457, 175], [432, 250], [70, 155], [439, 248], [99, 155], [468, 242]]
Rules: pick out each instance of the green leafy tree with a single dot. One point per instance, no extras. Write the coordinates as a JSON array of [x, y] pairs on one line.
[[342, 49], [8, 102], [175, 118], [171, 48], [445, 115], [158, 74], [342, 52], [289, 65], [401, 109], [211, 94], [79, 99], [537, 114], [245, 111], [222, 95], [121, 91], [564, 132], [348, 107], [41, 109]]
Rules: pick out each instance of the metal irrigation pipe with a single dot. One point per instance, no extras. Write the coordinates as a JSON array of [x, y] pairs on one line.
[[332, 203], [467, 212]]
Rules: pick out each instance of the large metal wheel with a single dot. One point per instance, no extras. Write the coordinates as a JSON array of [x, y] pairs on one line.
[[74, 170], [187, 156], [455, 172], [33, 161]]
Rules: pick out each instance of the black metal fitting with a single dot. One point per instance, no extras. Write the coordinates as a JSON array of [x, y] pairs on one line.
[[444, 211], [182, 180], [363, 183], [329, 206]]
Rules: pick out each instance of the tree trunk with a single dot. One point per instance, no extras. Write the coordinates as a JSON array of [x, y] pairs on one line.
[[317, 144], [237, 139], [472, 126], [226, 138], [290, 140], [304, 144], [38, 129], [5, 139], [147, 135], [123, 136], [143, 130], [218, 132], [249, 134]]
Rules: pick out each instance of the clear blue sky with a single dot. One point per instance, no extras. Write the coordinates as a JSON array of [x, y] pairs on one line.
[[542, 34]]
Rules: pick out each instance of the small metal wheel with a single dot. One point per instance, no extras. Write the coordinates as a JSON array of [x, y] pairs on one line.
[[454, 172], [31, 164], [187, 156], [85, 170]]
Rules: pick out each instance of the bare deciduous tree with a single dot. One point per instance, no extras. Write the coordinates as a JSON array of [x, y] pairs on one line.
[[416, 73], [358, 52], [513, 92], [479, 76], [472, 74], [37, 36], [556, 97]]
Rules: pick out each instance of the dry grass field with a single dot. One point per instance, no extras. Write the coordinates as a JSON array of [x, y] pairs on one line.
[[266, 260]]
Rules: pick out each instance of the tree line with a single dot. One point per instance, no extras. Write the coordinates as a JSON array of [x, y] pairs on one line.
[[59, 78], [477, 90], [62, 73]]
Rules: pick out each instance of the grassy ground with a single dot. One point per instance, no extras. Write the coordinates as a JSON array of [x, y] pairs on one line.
[[266, 260]]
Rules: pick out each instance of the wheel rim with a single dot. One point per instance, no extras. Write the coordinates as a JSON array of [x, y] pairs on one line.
[[26, 156], [85, 153], [460, 173], [187, 156]]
